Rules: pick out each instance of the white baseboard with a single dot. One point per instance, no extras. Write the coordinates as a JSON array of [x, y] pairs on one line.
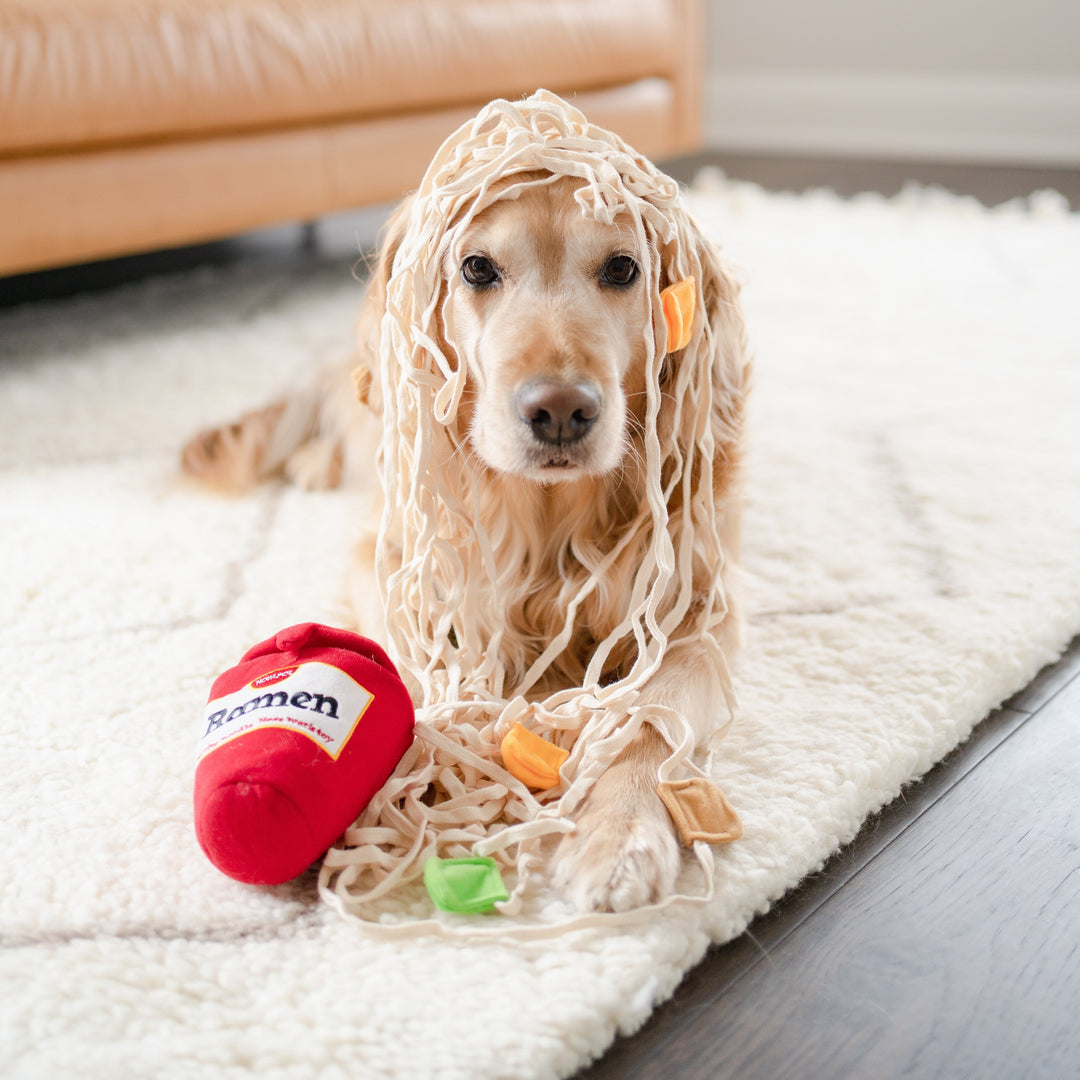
[[964, 118]]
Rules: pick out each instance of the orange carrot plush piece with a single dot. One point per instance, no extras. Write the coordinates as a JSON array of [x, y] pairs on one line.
[[678, 302], [533, 760]]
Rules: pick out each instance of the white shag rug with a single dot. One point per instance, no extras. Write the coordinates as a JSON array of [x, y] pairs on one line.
[[912, 558]]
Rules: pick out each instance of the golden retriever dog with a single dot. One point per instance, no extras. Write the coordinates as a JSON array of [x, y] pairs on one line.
[[561, 476]]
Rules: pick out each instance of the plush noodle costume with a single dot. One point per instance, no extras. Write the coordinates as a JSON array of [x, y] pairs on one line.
[[447, 596]]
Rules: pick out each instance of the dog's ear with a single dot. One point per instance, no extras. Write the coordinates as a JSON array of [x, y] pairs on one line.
[[371, 312], [719, 341]]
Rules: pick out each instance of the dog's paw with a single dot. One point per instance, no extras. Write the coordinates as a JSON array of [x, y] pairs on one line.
[[616, 862]]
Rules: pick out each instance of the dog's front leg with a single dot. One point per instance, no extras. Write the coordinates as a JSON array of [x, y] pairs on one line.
[[624, 853]]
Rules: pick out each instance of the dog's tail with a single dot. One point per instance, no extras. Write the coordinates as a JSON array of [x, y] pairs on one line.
[[302, 437]]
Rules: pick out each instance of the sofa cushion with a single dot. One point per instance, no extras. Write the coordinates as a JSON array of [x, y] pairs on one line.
[[77, 73], [121, 199]]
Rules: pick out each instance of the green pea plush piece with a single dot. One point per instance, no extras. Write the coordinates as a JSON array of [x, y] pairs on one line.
[[465, 886]]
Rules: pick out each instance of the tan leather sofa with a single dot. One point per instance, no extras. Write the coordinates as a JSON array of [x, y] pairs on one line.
[[127, 125]]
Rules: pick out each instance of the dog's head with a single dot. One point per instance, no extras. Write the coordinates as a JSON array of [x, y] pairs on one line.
[[530, 283]]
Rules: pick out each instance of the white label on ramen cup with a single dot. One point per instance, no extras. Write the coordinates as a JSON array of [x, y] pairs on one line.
[[314, 699]]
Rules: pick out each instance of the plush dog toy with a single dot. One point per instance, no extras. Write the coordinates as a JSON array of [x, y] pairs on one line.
[[296, 740]]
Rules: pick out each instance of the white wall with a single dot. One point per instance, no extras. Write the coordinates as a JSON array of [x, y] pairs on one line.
[[950, 80]]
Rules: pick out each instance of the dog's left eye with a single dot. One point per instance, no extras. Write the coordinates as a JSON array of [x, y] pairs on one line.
[[479, 271], [620, 271]]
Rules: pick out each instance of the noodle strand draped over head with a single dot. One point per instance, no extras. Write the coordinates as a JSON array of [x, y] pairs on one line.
[[452, 565]]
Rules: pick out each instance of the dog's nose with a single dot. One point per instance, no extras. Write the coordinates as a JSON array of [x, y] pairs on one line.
[[558, 412]]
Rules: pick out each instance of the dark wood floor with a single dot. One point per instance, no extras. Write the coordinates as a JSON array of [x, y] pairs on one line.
[[990, 185], [944, 941]]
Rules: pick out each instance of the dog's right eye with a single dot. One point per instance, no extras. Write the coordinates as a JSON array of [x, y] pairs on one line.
[[479, 271]]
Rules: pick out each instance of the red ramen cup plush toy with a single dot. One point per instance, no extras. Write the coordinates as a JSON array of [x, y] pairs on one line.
[[296, 740]]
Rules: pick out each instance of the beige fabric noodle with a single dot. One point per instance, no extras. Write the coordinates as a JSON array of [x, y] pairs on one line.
[[459, 570]]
